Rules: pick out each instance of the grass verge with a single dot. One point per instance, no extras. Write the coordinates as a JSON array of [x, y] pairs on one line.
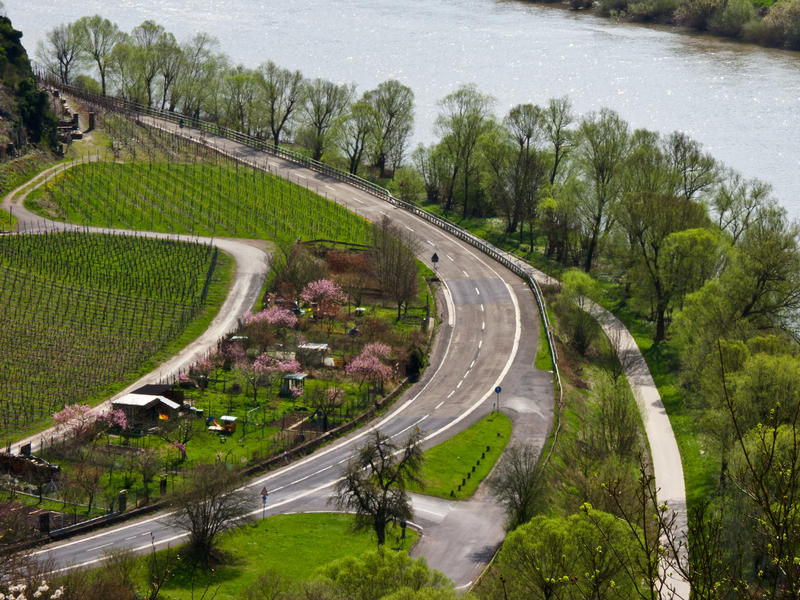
[[451, 461]]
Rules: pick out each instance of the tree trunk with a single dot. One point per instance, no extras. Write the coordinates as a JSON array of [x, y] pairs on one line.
[[587, 265], [660, 325], [380, 532]]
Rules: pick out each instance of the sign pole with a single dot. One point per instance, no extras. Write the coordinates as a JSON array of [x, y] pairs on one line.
[[264, 496], [497, 391]]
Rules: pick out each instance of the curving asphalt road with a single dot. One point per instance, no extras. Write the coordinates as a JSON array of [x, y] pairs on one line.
[[488, 337]]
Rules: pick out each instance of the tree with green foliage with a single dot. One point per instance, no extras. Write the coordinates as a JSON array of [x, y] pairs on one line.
[[736, 202], [375, 481], [147, 40], [98, 37], [384, 575], [601, 151], [573, 309], [238, 93], [199, 79], [558, 117], [516, 165], [353, 131], [651, 208], [585, 555], [463, 118], [434, 165], [171, 65]]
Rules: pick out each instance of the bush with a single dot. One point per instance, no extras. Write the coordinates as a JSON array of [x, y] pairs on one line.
[[609, 8], [697, 13], [783, 23], [652, 10], [732, 19]]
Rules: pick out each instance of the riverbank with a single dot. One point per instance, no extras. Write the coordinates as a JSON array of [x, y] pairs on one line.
[[764, 23]]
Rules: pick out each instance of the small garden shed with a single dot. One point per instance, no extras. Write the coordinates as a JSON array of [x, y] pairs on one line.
[[314, 355], [146, 410], [293, 384]]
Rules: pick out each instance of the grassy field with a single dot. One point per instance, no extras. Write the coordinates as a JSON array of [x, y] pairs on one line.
[[84, 312], [295, 545], [199, 198], [446, 464]]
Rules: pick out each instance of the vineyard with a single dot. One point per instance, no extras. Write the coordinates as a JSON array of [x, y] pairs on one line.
[[83, 311], [220, 198]]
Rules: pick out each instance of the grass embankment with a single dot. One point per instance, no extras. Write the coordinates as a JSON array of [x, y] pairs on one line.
[[452, 461], [295, 545], [86, 314]]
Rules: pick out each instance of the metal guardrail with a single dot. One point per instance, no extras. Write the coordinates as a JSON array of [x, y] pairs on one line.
[[513, 264]]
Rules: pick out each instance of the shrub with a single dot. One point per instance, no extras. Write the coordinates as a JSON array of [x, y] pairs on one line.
[[783, 22], [732, 19], [652, 10], [697, 13], [608, 8]]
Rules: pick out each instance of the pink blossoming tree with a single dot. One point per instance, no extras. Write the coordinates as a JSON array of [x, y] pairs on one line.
[[326, 295], [368, 368], [277, 316], [75, 420]]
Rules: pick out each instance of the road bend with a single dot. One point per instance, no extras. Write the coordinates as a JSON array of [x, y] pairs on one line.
[[487, 337]]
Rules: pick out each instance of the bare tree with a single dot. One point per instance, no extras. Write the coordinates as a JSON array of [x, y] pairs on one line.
[[375, 480], [281, 92], [207, 506], [60, 51], [394, 261], [518, 484], [325, 102]]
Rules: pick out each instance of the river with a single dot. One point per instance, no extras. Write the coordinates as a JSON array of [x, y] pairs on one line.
[[742, 102]]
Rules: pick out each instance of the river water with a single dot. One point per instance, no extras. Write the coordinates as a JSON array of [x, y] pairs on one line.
[[740, 101]]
